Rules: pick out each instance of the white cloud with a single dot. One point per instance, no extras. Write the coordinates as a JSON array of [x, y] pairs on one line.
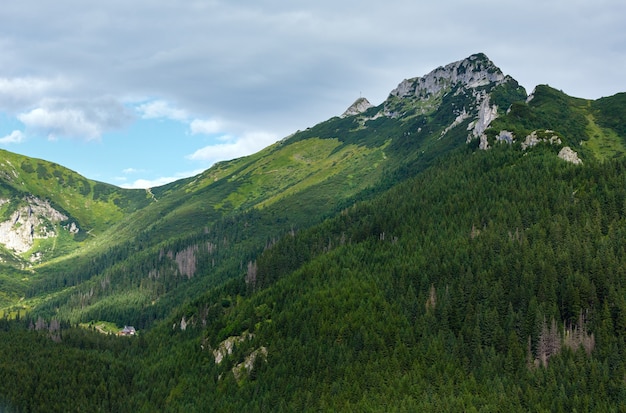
[[14, 137], [152, 183], [63, 122], [17, 93], [277, 66], [86, 120], [206, 127], [161, 109], [149, 183], [233, 148], [23, 86]]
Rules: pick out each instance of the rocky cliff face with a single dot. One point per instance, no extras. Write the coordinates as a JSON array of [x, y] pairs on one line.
[[469, 82], [33, 219], [486, 114]]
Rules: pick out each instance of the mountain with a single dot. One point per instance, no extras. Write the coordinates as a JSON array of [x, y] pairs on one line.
[[456, 247], [237, 205]]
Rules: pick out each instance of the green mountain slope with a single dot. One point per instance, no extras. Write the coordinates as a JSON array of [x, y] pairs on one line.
[[594, 128], [198, 232], [47, 212], [439, 252], [491, 281], [214, 224]]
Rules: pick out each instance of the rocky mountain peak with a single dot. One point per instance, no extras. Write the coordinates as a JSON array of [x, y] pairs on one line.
[[359, 106], [475, 71]]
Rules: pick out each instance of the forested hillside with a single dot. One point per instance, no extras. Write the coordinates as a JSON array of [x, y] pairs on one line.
[[459, 247], [492, 281]]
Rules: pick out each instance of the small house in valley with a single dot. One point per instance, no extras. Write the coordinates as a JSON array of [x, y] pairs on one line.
[[127, 331]]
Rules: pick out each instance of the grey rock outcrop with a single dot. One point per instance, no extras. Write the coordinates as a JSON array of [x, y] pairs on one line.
[[568, 154], [457, 121], [486, 115], [472, 79], [246, 366], [36, 219], [505, 136], [477, 70], [225, 348], [537, 137], [359, 106]]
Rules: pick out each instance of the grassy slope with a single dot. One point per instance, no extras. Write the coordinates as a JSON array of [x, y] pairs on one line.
[[315, 172], [607, 134]]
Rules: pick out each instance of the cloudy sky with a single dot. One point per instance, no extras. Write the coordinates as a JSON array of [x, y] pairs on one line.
[[139, 93]]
